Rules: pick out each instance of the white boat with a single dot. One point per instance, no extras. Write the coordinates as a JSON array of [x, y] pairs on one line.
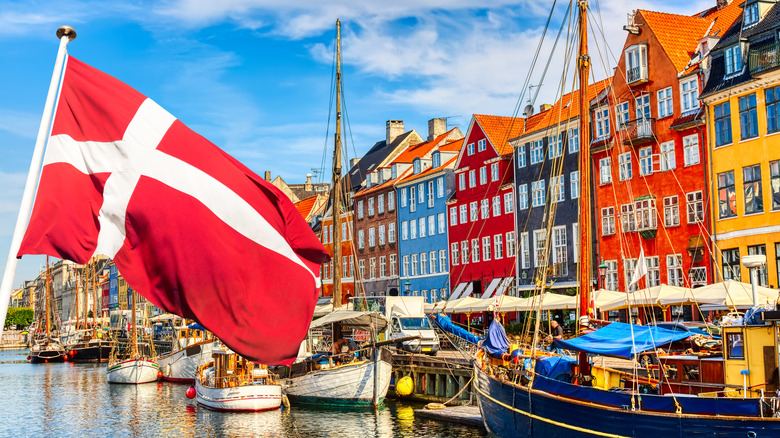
[[191, 351], [232, 383], [132, 371]]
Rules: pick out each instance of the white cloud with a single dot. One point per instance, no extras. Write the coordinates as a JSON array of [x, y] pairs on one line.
[[19, 123]]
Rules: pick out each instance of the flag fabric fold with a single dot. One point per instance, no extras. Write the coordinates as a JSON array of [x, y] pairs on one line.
[[641, 268], [188, 226]]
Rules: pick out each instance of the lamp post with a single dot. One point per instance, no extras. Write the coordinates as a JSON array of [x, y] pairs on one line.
[[753, 262], [407, 287], [602, 273]]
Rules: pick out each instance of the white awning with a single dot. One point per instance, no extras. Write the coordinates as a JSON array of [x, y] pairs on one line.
[[457, 292], [491, 288], [503, 285]]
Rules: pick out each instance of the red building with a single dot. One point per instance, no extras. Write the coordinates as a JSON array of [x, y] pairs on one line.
[[481, 211], [649, 148], [347, 255]]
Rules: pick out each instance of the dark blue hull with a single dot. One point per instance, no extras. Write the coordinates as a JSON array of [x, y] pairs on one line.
[[510, 410]]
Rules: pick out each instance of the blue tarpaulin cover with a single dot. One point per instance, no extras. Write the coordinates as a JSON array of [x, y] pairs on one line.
[[445, 323], [556, 367], [195, 326], [496, 342], [623, 340]]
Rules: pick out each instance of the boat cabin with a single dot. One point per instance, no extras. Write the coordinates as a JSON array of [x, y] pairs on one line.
[[750, 358], [231, 370]]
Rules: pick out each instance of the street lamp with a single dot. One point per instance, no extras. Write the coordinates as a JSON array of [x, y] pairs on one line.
[[602, 273], [407, 287], [753, 262]]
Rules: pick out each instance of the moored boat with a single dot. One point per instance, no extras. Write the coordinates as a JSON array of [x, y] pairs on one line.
[[132, 371], [192, 348], [47, 350], [232, 383]]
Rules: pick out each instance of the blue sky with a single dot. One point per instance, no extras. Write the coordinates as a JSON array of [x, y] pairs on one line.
[[254, 76]]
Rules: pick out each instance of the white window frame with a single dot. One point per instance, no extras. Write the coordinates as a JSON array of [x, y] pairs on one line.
[[522, 197], [498, 246], [442, 223], [496, 206], [464, 215], [605, 170], [691, 151], [608, 221], [472, 179], [486, 250], [493, 171], [695, 206], [454, 252], [665, 102], [473, 211], [483, 175], [391, 232], [667, 160], [646, 161], [625, 172], [509, 206], [601, 119], [484, 207], [474, 250], [689, 94], [537, 193], [671, 211]]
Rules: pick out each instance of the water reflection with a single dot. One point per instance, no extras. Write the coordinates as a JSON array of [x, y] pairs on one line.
[[74, 400]]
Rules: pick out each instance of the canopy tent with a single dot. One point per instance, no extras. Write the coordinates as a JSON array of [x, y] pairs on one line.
[[462, 303], [662, 295], [351, 318], [731, 294], [506, 303], [603, 296], [623, 340], [324, 309]]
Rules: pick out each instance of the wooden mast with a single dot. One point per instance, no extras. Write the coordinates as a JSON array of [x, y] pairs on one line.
[[134, 341], [94, 300], [336, 208], [586, 256], [86, 288], [48, 279], [77, 299]]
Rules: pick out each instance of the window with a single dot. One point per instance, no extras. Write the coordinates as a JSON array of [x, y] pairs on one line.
[[689, 94], [360, 239], [430, 194], [627, 218], [525, 250], [484, 209], [462, 181], [474, 250], [412, 198], [602, 123], [464, 252], [611, 277], [470, 149], [391, 201], [494, 171], [372, 267], [732, 57], [559, 250], [668, 161], [642, 106], [671, 211], [360, 209], [748, 118], [413, 229], [404, 230], [557, 188], [472, 179], [751, 183], [734, 345], [344, 235], [486, 248], [510, 244], [443, 260], [432, 262], [674, 270], [723, 124], [393, 271], [605, 170], [431, 225], [537, 152], [440, 187], [691, 150], [540, 248], [537, 193], [497, 204], [381, 234], [509, 206], [420, 193], [608, 221], [423, 264], [402, 197], [522, 197], [483, 175], [636, 64], [382, 267], [521, 156], [391, 232], [436, 159], [463, 214], [575, 244], [665, 103], [422, 227], [454, 251], [574, 140], [624, 166], [727, 196], [481, 145], [414, 265], [498, 246], [473, 215], [646, 161], [574, 184], [777, 256], [629, 266], [763, 279], [453, 215], [370, 207], [405, 266], [442, 222], [380, 203], [774, 184], [653, 277], [621, 114], [555, 146], [371, 238], [772, 96], [731, 269], [750, 15], [646, 217], [695, 207]]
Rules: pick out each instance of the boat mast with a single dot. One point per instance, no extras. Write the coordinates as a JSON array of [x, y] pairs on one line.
[[77, 299], [94, 301], [586, 256], [86, 288], [48, 278], [134, 341], [336, 209]]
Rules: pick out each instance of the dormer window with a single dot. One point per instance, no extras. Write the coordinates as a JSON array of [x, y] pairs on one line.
[[417, 166], [394, 171], [636, 64], [750, 15], [436, 160], [732, 57], [380, 177]]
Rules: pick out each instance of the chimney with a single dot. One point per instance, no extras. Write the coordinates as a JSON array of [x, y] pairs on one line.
[[436, 127], [544, 107], [268, 175], [722, 3], [307, 186], [394, 129], [353, 162]]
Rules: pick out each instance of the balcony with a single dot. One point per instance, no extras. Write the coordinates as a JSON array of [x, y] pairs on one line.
[[763, 59], [636, 75], [638, 131]]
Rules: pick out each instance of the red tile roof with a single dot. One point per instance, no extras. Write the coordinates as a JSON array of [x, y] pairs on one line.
[[305, 206], [430, 170], [567, 107], [453, 146], [499, 130], [420, 149]]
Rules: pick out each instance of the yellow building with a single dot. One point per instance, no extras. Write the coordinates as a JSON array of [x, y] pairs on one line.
[[742, 99]]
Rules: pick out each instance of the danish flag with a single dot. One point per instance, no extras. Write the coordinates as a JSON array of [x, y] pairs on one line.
[[189, 227]]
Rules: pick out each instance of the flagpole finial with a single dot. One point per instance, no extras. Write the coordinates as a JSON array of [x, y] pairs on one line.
[[66, 30]]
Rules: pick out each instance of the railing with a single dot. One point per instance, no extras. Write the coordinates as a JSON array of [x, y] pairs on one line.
[[638, 131], [636, 74], [764, 58]]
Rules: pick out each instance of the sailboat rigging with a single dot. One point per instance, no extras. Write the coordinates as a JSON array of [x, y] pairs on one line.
[[47, 348]]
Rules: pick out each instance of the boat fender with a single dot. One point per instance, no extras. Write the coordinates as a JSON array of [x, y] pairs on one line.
[[285, 402], [434, 406], [191, 392]]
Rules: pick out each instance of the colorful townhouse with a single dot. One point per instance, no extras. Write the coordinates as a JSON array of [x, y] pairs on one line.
[[376, 220], [481, 229], [422, 218], [742, 98], [547, 186], [648, 148]]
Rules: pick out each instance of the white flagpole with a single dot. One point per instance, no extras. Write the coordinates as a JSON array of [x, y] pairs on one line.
[[65, 34]]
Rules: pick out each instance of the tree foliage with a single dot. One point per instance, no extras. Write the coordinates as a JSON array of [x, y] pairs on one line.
[[19, 316]]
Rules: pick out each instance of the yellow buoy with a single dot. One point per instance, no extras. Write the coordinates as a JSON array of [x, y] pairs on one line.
[[405, 386]]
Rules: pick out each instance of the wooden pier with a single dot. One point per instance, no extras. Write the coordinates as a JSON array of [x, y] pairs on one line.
[[436, 378]]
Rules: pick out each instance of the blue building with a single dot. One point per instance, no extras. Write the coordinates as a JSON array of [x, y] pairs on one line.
[[422, 223]]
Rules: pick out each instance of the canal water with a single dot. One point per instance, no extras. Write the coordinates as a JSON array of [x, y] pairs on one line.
[[74, 400]]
